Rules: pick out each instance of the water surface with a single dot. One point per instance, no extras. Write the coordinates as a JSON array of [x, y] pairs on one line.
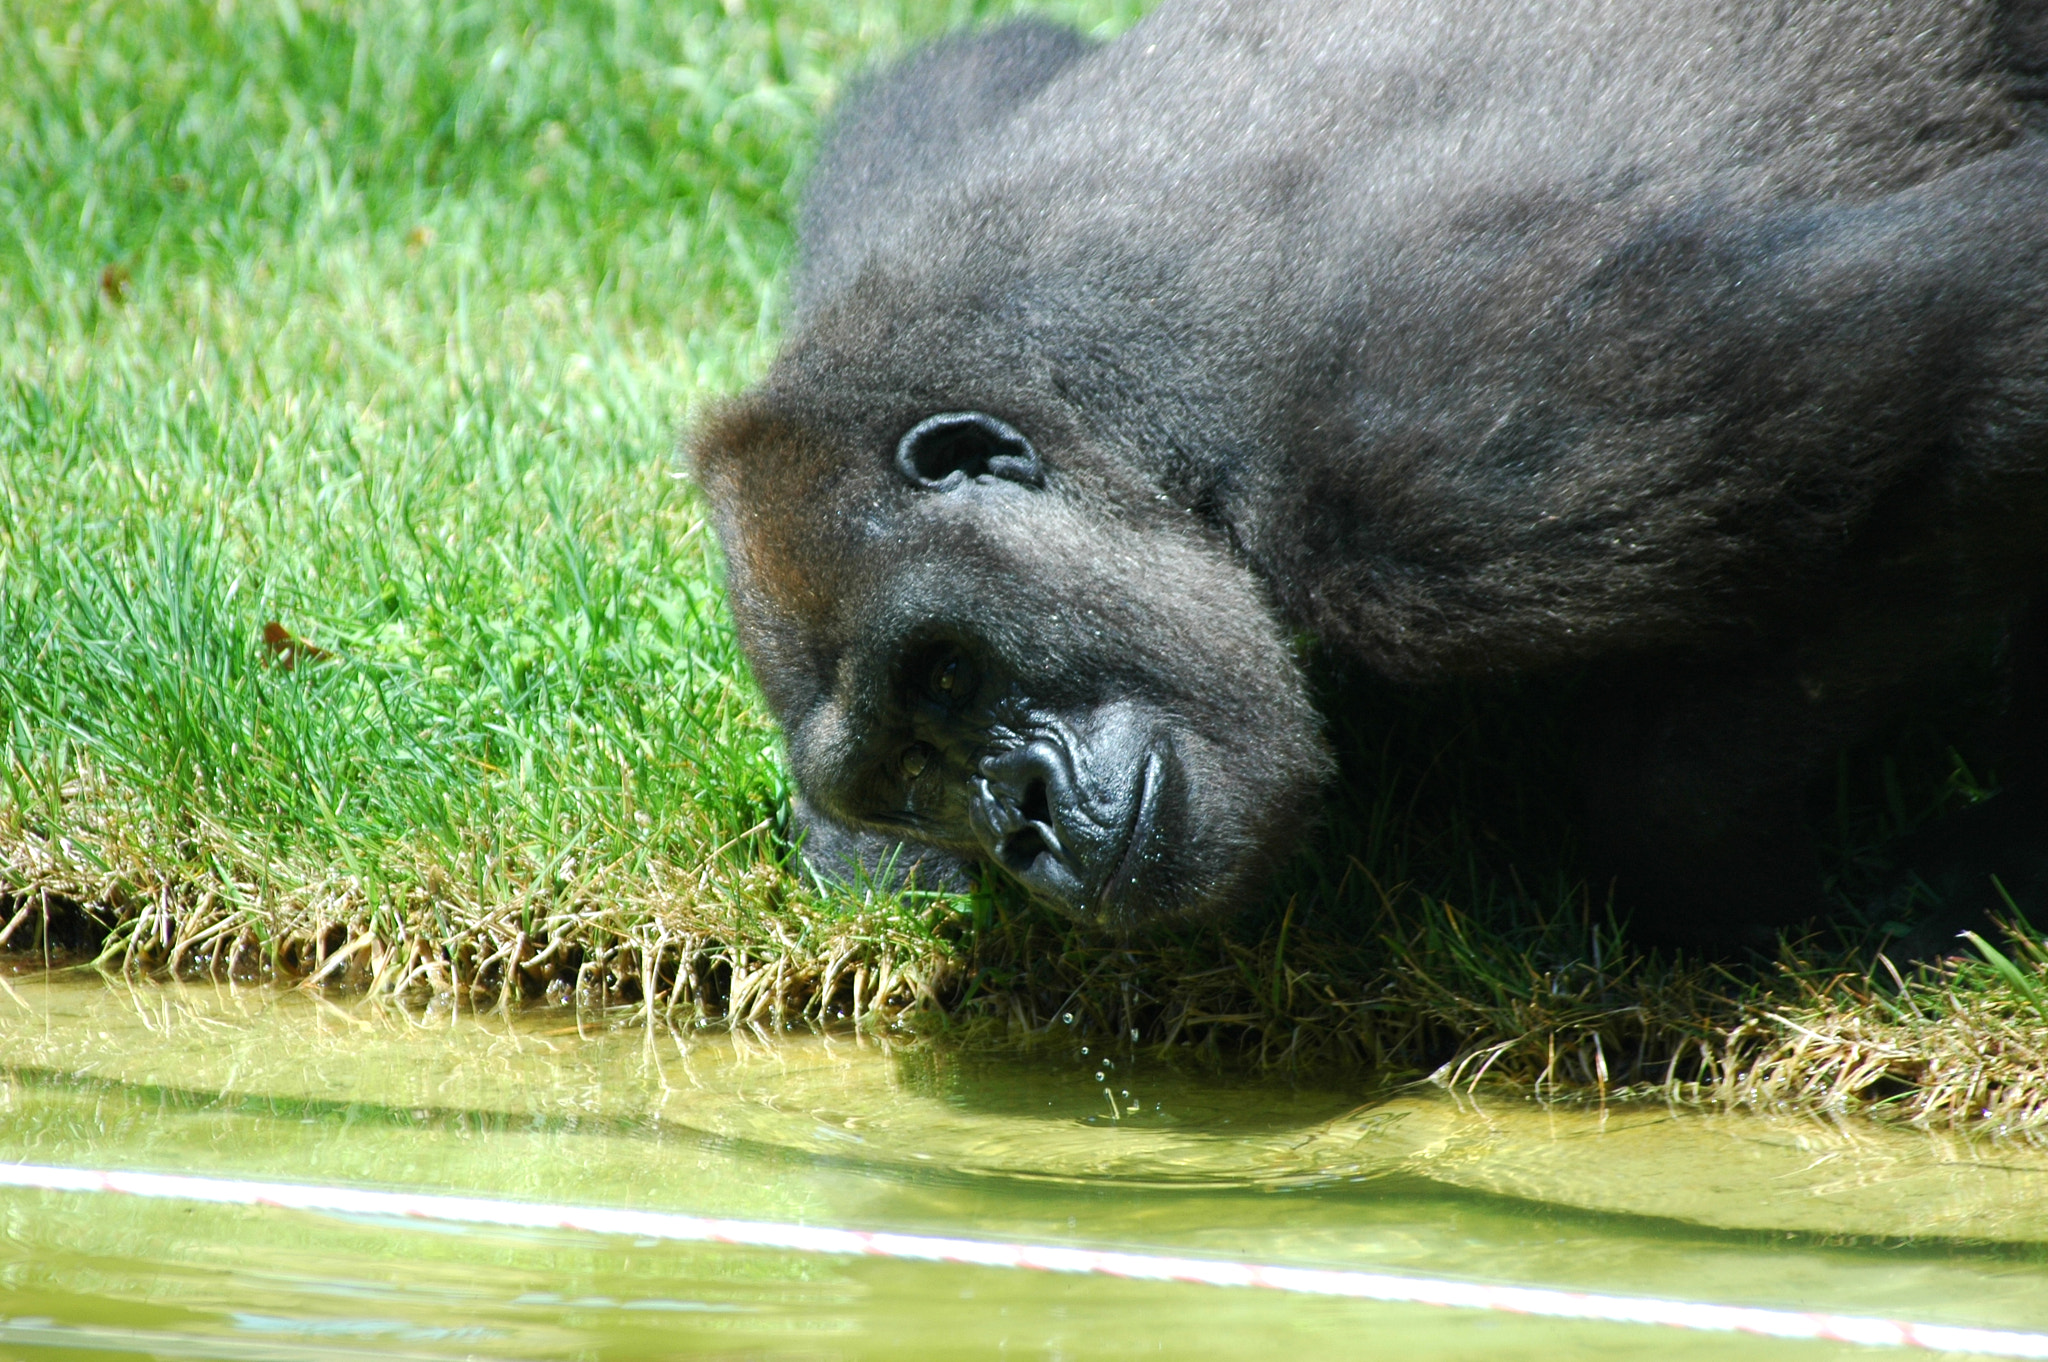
[[1109, 1148]]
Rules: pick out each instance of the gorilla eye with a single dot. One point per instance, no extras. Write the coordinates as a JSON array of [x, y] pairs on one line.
[[944, 451], [950, 676], [916, 759]]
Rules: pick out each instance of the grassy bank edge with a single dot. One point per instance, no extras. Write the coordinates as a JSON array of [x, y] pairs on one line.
[[1958, 1043]]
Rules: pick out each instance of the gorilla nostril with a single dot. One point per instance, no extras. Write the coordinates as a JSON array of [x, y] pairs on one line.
[[1024, 848], [1035, 805], [1020, 793]]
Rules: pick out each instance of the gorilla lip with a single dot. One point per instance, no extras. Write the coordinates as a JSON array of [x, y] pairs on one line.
[[1144, 821]]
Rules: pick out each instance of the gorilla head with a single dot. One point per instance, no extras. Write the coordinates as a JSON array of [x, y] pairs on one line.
[[982, 635]]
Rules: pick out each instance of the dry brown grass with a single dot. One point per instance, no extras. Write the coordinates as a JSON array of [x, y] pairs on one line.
[[726, 940], [1942, 1047], [1566, 1013]]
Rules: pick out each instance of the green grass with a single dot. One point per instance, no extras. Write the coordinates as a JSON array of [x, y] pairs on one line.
[[379, 323]]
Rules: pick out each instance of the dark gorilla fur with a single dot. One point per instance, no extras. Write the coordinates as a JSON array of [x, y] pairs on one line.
[[1697, 345]]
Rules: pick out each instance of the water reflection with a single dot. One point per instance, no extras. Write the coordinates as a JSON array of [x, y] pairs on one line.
[[859, 1131]]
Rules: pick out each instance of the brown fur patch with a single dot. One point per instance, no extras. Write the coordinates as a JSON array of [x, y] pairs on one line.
[[767, 478]]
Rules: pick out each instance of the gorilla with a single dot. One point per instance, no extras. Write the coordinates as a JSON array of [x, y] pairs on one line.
[[1696, 347]]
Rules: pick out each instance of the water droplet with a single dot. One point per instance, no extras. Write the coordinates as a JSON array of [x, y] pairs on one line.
[[1068, 1018], [1084, 1049], [1098, 1075], [1134, 1035]]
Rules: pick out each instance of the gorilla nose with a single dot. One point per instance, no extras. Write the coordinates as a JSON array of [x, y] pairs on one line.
[[1023, 812]]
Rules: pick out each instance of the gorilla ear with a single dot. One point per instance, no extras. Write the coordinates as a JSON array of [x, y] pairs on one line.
[[946, 450]]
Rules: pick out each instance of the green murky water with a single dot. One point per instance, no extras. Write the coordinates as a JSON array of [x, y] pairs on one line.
[[274, 1085]]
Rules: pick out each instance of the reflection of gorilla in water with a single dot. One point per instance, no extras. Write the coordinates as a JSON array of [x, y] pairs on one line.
[[1698, 344]]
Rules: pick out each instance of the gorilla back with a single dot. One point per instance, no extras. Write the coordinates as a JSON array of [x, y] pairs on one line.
[[1698, 344]]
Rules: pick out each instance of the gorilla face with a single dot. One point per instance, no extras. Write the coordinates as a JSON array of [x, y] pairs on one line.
[[981, 636]]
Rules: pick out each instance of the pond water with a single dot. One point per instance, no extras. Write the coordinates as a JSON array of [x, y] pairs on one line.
[[1108, 1148]]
